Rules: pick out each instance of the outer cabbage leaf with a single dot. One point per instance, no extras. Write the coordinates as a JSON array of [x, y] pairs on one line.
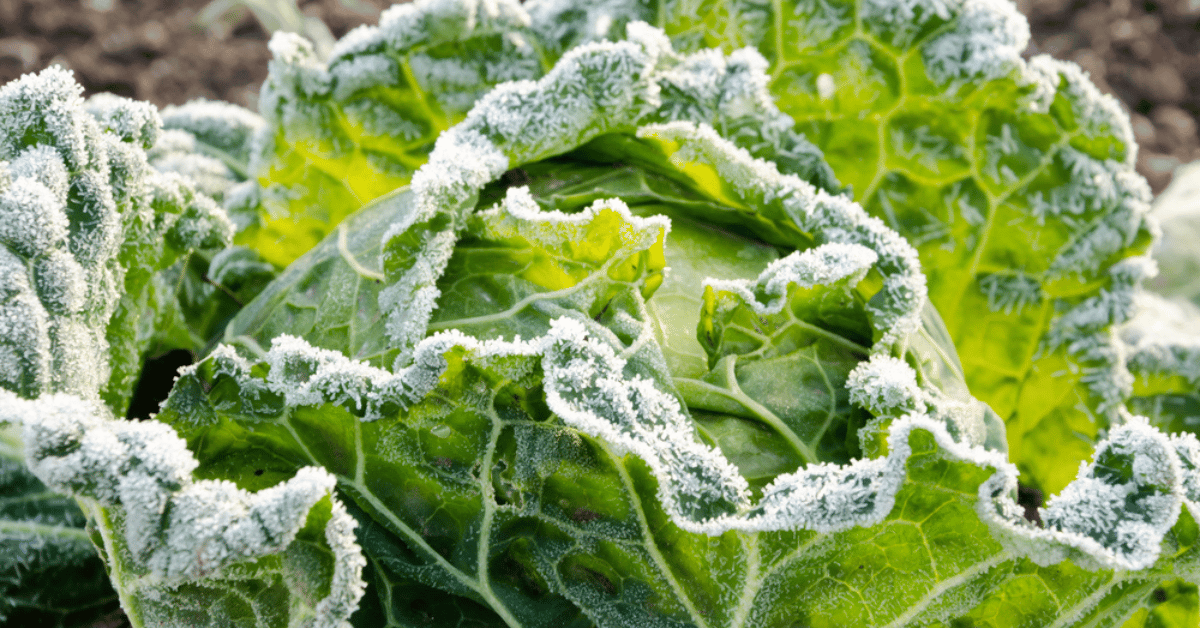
[[483, 498], [1014, 179], [560, 480], [1045, 156], [330, 295], [44, 546], [695, 251], [335, 284], [348, 130], [188, 552], [342, 133], [192, 301], [85, 223]]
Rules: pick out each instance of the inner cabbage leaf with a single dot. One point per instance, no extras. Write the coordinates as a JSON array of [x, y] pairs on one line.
[[1013, 178]]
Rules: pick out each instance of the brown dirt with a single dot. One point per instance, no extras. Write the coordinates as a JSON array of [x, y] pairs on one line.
[[151, 49], [1146, 53]]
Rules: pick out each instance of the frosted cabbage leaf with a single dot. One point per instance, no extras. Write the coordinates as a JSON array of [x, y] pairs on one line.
[[86, 223], [536, 442]]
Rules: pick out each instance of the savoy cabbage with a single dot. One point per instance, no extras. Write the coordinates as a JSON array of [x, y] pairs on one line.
[[715, 313]]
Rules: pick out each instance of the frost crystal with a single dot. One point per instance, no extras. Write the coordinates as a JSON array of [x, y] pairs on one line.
[[884, 385], [589, 388], [131, 120], [985, 42], [1085, 331], [430, 22], [916, 12], [1114, 515], [586, 387], [179, 152], [90, 221], [559, 25], [832, 219], [221, 125], [177, 528], [594, 89], [1187, 447], [1097, 112]]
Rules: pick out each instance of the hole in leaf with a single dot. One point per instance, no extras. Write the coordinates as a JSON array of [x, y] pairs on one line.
[[258, 472], [600, 315], [1031, 500], [515, 177], [1160, 595], [155, 383]]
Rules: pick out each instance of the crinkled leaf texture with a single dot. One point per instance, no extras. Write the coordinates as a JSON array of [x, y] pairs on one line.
[[44, 546], [537, 443], [344, 131], [84, 223], [188, 552]]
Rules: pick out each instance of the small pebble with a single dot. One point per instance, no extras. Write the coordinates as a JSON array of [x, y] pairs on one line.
[[1162, 84], [1123, 30], [24, 51], [1143, 130], [1177, 128]]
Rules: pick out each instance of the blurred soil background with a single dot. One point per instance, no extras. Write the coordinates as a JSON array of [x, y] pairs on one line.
[[156, 50], [1146, 53]]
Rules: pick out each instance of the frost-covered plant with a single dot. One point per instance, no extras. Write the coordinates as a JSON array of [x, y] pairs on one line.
[[85, 225], [86, 222], [612, 345], [1163, 347], [1013, 178]]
